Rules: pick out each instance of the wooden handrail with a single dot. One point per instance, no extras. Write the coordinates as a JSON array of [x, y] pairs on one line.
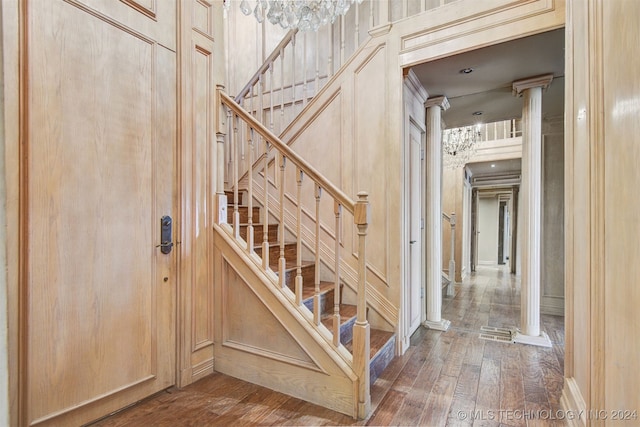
[[291, 155], [267, 63]]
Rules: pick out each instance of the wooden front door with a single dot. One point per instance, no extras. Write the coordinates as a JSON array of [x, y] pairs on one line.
[[98, 173]]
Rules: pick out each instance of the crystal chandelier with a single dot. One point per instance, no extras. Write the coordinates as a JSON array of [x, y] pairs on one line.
[[459, 145], [304, 15]]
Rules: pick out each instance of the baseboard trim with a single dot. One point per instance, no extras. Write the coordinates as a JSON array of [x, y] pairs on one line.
[[572, 402]]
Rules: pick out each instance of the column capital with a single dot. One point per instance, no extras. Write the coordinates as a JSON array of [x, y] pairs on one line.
[[539, 81], [437, 101]]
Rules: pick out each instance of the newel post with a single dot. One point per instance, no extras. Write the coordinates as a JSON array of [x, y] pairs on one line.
[[220, 199], [361, 338]]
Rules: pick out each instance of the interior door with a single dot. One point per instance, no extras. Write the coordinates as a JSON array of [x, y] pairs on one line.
[[99, 173], [415, 228], [501, 232]]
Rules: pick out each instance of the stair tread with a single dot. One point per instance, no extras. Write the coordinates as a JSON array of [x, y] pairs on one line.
[[258, 245], [273, 264], [377, 339], [309, 291], [347, 312]]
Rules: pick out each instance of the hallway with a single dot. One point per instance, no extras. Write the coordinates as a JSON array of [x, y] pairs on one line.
[[443, 379]]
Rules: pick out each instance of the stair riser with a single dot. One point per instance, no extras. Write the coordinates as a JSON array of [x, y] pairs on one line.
[[308, 277], [274, 254], [229, 195], [243, 211], [257, 233], [381, 359], [326, 302], [346, 330]]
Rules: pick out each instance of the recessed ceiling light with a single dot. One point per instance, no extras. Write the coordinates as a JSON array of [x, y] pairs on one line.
[[477, 113], [466, 70], [493, 165]]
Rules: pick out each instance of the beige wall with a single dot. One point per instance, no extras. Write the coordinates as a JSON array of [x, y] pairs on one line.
[[552, 257]]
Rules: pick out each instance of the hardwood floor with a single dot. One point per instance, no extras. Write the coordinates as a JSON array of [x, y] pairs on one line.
[[451, 378]]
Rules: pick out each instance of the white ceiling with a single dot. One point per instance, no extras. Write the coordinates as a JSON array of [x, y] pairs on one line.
[[489, 87], [500, 167]]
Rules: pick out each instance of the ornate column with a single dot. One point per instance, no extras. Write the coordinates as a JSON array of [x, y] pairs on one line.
[[530, 215], [434, 107]]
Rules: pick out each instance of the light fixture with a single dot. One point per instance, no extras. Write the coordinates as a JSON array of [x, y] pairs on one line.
[[305, 15], [477, 113], [459, 145], [466, 71], [493, 165]]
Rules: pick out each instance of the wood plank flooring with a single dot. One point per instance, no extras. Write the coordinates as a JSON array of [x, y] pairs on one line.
[[448, 378]]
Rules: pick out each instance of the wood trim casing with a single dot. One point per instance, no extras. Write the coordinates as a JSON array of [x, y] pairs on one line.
[[13, 27], [199, 46]]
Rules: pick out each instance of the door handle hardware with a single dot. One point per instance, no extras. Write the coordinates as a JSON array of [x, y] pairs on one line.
[[412, 242], [166, 225]]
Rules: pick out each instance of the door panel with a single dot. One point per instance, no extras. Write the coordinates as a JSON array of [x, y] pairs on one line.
[[100, 173], [415, 246]]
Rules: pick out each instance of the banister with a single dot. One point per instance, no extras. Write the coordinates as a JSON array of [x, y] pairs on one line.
[[267, 63], [446, 217], [308, 170]]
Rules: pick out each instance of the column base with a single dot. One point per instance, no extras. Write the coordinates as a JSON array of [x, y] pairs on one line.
[[450, 289], [541, 341], [442, 325]]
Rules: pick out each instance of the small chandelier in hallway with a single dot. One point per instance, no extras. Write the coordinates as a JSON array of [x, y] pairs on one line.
[[305, 15], [459, 145]]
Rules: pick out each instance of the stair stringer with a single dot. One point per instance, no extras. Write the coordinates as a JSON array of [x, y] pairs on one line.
[[305, 365]]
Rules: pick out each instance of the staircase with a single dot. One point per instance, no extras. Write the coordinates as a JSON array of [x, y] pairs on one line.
[[317, 271], [382, 343]]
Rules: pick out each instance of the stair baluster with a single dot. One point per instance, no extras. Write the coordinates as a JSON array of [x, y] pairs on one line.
[[282, 123], [298, 283], [260, 115], [316, 248], [342, 38], [271, 98], [304, 70], [317, 85], [265, 220], [234, 161], [330, 57], [250, 237], [336, 293], [282, 265], [293, 75]]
